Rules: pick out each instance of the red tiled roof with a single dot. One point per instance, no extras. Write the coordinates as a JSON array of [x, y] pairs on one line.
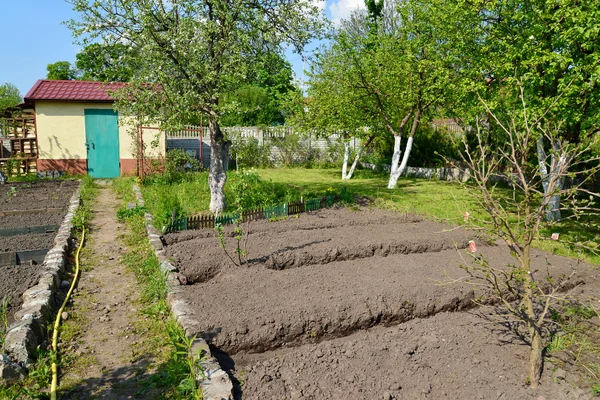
[[72, 90]]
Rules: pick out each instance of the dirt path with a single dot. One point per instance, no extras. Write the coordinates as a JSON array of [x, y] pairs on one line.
[[103, 338]]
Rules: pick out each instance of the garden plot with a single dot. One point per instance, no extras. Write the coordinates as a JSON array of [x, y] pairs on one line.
[[330, 275], [30, 214]]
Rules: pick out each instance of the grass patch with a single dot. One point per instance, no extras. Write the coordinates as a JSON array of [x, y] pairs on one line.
[[174, 378], [435, 199], [577, 345]]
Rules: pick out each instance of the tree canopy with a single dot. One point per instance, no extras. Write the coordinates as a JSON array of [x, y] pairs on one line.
[[106, 62], [61, 70], [9, 96], [196, 52]]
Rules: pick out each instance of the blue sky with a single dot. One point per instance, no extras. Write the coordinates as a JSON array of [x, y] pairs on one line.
[[34, 36]]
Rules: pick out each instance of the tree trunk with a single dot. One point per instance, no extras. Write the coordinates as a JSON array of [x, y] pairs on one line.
[[346, 156], [550, 182], [219, 161], [535, 358], [535, 336], [397, 171], [395, 160]]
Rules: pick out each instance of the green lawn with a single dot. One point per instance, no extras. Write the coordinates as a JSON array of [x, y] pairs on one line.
[[438, 200]]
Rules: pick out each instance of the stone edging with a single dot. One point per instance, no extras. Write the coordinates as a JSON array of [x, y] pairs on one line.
[[215, 383], [28, 331]]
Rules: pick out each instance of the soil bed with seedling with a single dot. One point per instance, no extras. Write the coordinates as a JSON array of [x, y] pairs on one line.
[[30, 214], [336, 303]]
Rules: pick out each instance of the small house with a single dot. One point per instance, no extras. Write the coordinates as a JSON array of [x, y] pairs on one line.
[[77, 130]]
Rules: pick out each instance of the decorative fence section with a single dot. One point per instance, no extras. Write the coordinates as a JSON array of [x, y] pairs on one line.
[[283, 210]]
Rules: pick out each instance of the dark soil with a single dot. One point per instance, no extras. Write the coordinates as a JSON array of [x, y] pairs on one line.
[[29, 220], [34, 195], [447, 356], [330, 302], [313, 239], [27, 242], [14, 280]]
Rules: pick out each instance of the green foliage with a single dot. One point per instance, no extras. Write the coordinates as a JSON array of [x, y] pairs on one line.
[[178, 166], [88, 193], [293, 149], [9, 96], [248, 191], [3, 319], [180, 370], [249, 153], [106, 62], [12, 166], [432, 147], [125, 213], [167, 206], [61, 70]]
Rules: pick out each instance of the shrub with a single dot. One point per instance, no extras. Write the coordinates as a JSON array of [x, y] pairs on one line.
[[249, 153], [176, 167]]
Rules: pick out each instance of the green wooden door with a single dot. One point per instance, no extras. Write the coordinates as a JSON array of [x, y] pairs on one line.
[[102, 142]]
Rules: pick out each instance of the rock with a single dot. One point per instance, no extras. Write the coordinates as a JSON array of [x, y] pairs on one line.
[[65, 284], [10, 372], [64, 315]]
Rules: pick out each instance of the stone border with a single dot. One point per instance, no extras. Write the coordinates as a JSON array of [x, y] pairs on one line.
[[28, 331], [215, 383]]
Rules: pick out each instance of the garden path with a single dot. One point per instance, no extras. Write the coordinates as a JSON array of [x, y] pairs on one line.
[[103, 339]]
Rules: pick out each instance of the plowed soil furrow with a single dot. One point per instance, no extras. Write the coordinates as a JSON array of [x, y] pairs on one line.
[[200, 259], [256, 309], [448, 356], [314, 220]]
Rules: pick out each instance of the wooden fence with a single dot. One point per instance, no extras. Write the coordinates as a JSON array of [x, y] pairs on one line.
[[283, 210]]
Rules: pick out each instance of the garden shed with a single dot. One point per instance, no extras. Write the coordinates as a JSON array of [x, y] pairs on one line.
[[79, 132]]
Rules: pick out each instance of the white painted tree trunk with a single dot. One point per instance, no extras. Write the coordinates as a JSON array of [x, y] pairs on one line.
[[219, 161], [355, 163], [550, 181], [346, 156], [397, 170]]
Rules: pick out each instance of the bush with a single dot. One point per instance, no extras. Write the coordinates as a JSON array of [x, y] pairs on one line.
[[293, 149], [176, 167], [249, 153]]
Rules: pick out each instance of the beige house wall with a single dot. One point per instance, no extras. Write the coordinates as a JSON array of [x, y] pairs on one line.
[[61, 132]]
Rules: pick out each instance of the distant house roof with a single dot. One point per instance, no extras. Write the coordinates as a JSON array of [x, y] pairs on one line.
[[72, 91]]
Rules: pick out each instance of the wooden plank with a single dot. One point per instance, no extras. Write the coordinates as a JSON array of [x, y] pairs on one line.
[[23, 257], [8, 258], [32, 211], [27, 230]]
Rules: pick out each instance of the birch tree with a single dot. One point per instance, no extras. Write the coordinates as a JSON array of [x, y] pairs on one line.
[[191, 53]]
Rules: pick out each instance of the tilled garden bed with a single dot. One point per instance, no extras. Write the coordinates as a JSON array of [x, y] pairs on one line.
[[39, 206], [338, 280]]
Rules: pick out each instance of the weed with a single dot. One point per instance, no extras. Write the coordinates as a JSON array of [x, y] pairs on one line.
[[124, 213], [3, 319], [558, 343], [12, 191]]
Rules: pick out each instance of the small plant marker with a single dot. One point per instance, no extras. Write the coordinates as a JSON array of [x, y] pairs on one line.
[[472, 246]]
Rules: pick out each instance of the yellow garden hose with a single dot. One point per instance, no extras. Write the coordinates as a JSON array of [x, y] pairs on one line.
[[57, 321]]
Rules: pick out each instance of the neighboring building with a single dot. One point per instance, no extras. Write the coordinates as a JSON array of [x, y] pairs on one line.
[[78, 131]]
